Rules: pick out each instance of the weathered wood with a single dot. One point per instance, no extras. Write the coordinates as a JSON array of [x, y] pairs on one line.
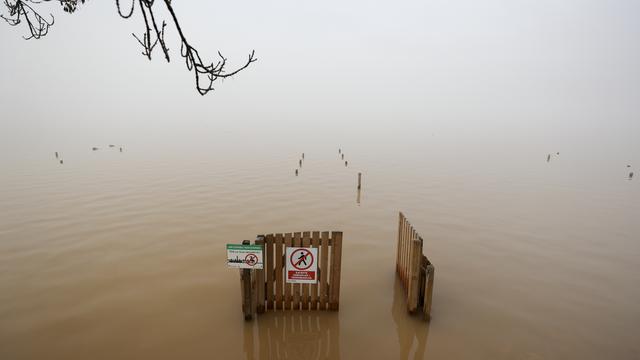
[[288, 242], [415, 271], [414, 287], [406, 255], [266, 289], [428, 296], [409, 283], [315, 243], [279, 273], [245, 286], [268, 268], [399, 243], [260, 281], [336, 258], [304, 298], [297, 289], [324, 270]]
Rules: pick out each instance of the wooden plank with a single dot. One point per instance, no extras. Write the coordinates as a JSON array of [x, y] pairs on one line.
[[288, 242], [260, 281], [414, 283], [398, 250], [324, 270], [315, 242], [405, 253], [304, 298], [336, 258], [268, 268], [245, 286], [407, 279], [428, 295], [279, 274], [297, 241], [408, 253]]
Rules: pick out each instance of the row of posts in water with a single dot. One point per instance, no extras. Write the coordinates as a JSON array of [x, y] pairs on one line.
[[628, 165], [346, 163], [93, 149]]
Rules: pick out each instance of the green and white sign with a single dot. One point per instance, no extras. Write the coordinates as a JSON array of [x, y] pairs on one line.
[[244, 256]]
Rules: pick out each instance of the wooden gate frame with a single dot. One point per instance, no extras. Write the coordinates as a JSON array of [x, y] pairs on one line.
[[415, 270], [266, 289]]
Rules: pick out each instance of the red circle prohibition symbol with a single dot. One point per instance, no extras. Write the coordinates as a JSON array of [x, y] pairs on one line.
[[251, 259], [301, 259]]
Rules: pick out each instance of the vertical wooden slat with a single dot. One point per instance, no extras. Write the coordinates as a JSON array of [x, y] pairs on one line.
[[297, 241], [400, 216], [428, 294], [414, 283], [407, 279], [268, 262], [279, 274], [409, 282], [408, 252], [315, 242], [245, 287], [403, 256], [306, 241], [260, 281], [405, 253], [324, 270], [336, 258], [288, 242]]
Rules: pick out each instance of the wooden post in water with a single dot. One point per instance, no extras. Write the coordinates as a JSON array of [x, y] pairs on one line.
[[279, 272], [336, 258], [324, 271], [245, 282], [359, 181], [260, 281], [306, 242], [428, 293]]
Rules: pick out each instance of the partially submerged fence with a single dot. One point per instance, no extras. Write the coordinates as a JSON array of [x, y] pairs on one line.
[[267, 289], [414, 269]]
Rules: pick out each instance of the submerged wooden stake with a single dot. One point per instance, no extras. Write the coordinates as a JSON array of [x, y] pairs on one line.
[[359, 181], [245, 281]]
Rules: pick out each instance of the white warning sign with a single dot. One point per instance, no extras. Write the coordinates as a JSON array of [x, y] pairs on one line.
[[302, 265], [244, 256]]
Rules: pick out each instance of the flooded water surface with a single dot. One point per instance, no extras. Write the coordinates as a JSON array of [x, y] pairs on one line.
[[122, 255]]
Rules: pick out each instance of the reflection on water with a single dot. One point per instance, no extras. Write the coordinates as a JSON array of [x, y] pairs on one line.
[[411, 330], [293, 335]]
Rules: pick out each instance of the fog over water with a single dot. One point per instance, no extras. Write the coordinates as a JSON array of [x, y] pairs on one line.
[[448, 108]]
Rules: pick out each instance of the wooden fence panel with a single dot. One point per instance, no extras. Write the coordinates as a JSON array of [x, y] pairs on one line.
[[415, 271], [267, 290]]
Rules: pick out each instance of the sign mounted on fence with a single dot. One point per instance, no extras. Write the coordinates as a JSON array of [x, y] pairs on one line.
[[244, 256], [302, 265]]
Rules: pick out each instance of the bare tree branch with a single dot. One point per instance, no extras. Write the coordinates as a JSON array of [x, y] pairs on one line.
[[205, 74]]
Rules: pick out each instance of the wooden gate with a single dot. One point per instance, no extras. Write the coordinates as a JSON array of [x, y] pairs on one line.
[[266, 289], [414, 269]]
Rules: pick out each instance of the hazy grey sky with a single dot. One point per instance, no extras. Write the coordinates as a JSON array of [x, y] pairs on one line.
[[549, 71]]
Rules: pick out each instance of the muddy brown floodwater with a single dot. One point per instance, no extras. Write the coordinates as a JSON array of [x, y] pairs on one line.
[[121, 255]]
